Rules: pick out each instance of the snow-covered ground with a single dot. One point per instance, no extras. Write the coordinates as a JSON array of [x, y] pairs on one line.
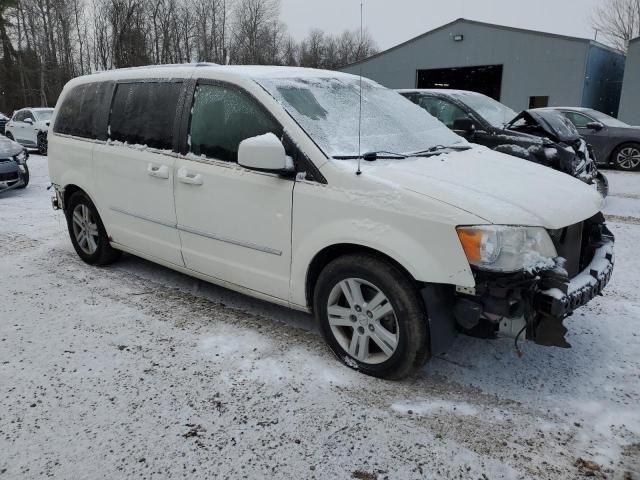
[[135, 370]]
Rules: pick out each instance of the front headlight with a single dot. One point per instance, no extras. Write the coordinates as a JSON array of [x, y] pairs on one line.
[[21, 158], [502, 248]]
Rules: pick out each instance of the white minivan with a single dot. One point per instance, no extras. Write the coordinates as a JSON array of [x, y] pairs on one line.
[[328, 194]]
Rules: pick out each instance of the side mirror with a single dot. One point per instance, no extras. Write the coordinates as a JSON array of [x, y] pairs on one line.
[[597, 126], [264, 153], [465, 125], [28, 120]]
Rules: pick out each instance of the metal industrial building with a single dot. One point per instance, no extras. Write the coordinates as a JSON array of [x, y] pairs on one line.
[[521, 68], [630, 102]]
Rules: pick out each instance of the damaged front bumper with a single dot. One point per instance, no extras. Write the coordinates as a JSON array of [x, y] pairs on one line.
[[532, 303], [11, 178]]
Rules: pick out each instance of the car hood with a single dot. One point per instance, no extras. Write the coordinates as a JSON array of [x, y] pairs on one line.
[[554, 123], [9, 148], [496, 187]]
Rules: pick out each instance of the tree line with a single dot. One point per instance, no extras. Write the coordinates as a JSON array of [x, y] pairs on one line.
[[45, 43]]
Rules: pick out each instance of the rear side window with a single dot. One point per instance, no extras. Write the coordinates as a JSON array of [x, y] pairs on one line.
[[83, 111], [144, 113]]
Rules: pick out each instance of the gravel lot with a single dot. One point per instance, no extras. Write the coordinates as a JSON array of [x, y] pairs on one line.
[[135, 370]]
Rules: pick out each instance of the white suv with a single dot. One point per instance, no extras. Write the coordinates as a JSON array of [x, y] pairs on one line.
[[29, 127], [394, 231]]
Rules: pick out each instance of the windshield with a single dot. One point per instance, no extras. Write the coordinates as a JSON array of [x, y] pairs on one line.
[[606, 119], [327, 109], [492, 111], [43, 115]]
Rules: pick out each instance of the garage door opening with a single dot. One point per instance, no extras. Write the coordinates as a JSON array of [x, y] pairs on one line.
[[485, 79]]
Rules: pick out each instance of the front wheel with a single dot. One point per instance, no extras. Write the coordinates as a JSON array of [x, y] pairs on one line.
[[25, 178], [87, 232], [43, 144], [372, 317], [627, 157]]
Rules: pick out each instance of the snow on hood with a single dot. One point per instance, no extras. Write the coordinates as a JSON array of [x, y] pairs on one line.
[[9, 148], [496, 187]]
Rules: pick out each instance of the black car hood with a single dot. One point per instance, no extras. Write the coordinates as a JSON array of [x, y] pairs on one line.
[[554, 123], [9, 148]]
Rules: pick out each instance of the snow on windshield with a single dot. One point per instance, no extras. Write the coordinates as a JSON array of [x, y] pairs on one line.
[[327, 109], [492, 111], [43, 115]]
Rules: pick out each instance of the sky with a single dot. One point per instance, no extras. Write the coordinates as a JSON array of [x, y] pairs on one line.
[[394, 21]]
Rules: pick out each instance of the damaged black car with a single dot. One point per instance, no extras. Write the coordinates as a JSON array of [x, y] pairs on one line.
[[542, 136], [14, 172]]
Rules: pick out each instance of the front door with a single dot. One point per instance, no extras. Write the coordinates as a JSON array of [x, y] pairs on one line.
[[234, 223], [135, 169], [596, 138]]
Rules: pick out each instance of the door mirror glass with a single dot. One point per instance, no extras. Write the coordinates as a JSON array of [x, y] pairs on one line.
[[264, 153], [28, 120], [597, 126]]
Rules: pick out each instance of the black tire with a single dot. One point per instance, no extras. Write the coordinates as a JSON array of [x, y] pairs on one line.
[[104, 254], [602, 184], [412, 349], [615, 157], [26, 178], [43, 144]]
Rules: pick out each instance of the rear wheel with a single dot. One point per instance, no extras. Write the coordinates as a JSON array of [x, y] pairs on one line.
[[87, 232], [627, 157], [371, 316]]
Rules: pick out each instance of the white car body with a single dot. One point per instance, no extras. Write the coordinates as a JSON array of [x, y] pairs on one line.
[[259, 232], [26, 124]]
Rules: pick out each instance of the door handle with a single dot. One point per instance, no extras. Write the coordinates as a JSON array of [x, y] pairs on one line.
[[158, 171], [185, 176]]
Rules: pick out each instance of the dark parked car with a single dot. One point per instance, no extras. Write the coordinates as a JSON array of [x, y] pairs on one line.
[[14, 172], [614, 142], [541, 136], [3, 122]]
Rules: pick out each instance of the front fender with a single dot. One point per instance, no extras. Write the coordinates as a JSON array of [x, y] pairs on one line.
[[428, 249]]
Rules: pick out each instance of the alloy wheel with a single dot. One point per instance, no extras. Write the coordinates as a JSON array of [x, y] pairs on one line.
[[363, 321], [42, 145], [85, 229], [628, 158]]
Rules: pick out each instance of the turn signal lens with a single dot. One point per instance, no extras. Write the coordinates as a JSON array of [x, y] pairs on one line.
[[471, 241]]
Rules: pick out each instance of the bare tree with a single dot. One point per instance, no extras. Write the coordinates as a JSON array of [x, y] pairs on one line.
[[618, 21]]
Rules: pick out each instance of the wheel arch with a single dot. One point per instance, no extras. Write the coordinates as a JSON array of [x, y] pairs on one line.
[[331, 252], [618, 146]]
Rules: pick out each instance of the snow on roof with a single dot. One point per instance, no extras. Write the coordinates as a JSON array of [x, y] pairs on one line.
[[493, 26], [445, 91]]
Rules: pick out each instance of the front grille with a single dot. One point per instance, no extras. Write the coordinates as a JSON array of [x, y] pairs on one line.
[[568, 243], [8, 177], [578, 243]]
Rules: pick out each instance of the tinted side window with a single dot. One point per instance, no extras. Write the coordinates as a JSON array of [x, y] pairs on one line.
[[144, 113], [580, 121], [222, 117], [69, 112], [444, 111], [18, 116], [28, 114], [92, 119]]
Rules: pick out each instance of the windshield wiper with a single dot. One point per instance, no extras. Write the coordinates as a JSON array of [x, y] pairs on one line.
[[373, 156], [436, 149]]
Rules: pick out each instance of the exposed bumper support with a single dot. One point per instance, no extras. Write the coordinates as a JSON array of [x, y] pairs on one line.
[[538, 302]]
